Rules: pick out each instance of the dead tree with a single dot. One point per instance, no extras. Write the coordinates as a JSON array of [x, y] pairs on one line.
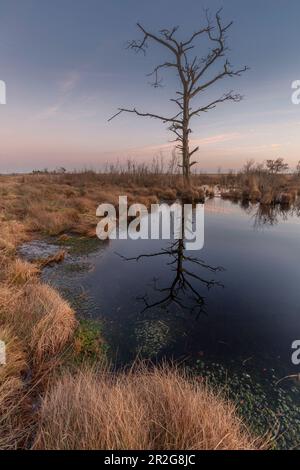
[[182, 290], [194, 78]]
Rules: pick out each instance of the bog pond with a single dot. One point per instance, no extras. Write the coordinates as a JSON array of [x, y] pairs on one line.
[[235, 305]]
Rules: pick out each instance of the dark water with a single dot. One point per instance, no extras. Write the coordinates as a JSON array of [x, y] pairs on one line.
[[254, 316], [238, 333]]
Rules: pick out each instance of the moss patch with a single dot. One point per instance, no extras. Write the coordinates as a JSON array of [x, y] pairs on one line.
[[89, 344]]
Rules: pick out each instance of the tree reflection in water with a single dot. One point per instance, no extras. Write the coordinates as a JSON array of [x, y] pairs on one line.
[[185, 287], [270, 215]]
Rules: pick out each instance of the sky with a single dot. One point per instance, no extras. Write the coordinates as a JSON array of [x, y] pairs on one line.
[[67, 70]]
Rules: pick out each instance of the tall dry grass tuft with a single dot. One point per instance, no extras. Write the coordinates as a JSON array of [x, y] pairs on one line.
[[11, 385], [15, 355], [38, 315], [46, 318], [41, 219], [35, 325], [155, 410], [20, 272], [12, 233]]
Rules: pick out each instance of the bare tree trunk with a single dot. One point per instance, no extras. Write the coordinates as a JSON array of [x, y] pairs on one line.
[[185, 141], [192, 71]]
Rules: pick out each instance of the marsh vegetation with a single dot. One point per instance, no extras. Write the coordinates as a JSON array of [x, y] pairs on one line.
[[50, 349]]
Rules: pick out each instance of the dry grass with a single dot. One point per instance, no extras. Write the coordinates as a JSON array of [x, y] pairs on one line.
[[56, 204], [12, 233], [56, 325], [11, 388], [20, 272], [36, 324], [142, 410], [52, 259], [257, 184], [155, 410], [40, 316], [15, 359], [40, 219]]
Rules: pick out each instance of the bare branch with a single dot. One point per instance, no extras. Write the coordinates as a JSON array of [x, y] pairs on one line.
[[216, 52], [193, 151], [196, 34], [157, 80], [226, 72], [138, 113], [191, 70], [181, 291], [228, 97], [140, 45], [168, 34]]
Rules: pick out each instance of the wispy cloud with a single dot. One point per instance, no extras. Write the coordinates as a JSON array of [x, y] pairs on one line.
[[49, 112], [69, 82], [66, 86], [275, 146], [216, 139], [206, 141]]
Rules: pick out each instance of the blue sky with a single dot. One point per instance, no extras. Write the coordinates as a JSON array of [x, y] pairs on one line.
[[67, 69]]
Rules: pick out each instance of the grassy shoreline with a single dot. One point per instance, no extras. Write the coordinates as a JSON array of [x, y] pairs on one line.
[[50, 351]]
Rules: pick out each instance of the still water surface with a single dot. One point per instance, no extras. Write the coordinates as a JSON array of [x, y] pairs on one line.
[[252, 312]]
